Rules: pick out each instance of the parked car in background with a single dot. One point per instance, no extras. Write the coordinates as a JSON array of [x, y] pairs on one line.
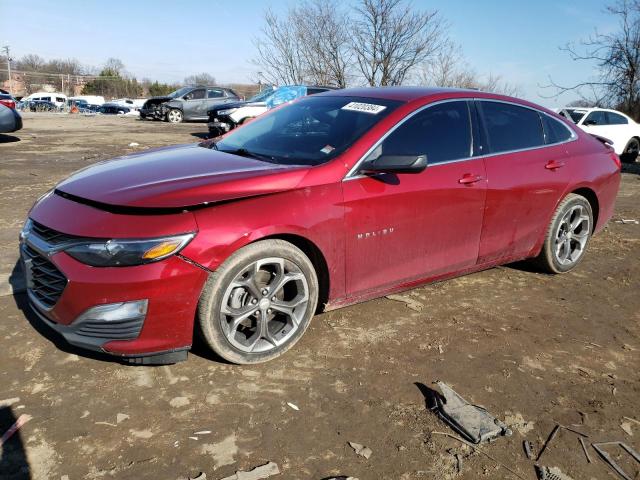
[[42, 106], [114, 109], [89, 99], [187, 104], [621, 129], [133, 104], [333, 199], [10, 119], [7, 100], [58, 99], [223, 118]]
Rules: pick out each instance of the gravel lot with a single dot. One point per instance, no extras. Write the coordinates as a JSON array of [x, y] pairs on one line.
[[534, 349]]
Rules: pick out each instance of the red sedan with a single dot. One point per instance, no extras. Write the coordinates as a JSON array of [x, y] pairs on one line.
[[331, 200]]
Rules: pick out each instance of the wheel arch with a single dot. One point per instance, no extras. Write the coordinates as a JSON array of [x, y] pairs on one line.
[[592, 198], [318, 260]]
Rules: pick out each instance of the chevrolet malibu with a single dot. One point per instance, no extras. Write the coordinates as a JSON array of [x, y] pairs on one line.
[[331, 200]]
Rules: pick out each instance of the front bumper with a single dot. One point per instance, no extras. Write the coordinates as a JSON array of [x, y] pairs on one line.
[[171, 289]]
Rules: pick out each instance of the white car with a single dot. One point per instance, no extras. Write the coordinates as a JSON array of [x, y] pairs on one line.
[[622, 130]]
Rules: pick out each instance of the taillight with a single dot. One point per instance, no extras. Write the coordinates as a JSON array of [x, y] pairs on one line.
[[8, 103], [616, 160]]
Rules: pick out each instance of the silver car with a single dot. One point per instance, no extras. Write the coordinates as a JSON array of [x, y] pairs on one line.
[[187, 104]]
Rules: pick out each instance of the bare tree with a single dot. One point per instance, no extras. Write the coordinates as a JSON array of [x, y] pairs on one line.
[[200, 79], [391, 38], [278, 53], [321, 31], [617, 57], [450, 69]]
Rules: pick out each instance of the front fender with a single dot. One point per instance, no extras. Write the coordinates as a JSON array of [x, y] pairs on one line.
[[312, 213]]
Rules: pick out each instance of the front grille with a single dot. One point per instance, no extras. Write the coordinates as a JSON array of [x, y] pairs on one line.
[[49, 235], [123, 330], [47, 282]]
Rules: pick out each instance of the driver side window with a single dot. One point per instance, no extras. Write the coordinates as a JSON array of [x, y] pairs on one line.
[[195, 95], [441, 132]]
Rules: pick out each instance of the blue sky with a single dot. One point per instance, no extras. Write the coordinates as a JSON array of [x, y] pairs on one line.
[[168, 40]]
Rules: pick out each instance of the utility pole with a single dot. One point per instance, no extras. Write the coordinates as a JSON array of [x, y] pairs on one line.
[[6, 51]]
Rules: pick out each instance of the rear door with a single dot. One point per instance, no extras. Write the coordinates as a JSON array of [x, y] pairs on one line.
[[194, 105], [526, 176], [216, 96], [404, 227]]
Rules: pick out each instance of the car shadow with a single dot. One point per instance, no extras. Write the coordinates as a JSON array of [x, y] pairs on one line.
[[14, 464], [4, 138], [21, 299]]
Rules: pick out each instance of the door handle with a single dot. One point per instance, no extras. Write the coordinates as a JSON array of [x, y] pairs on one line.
[[554, 165], [469, 179]]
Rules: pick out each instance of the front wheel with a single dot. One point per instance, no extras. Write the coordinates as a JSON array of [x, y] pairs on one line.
[[259, 302], [631, 151], [567, 236], [174, 116]]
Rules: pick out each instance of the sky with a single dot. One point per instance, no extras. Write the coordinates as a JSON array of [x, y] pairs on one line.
[[169, 40]]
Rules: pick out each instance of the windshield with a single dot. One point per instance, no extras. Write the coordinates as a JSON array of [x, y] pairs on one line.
[[180, 92], [574, 115], [260, 96], [310, 131]]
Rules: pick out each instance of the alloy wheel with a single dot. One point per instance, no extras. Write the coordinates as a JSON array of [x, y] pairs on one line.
[[264, 305], [174, 116], [572, 235]]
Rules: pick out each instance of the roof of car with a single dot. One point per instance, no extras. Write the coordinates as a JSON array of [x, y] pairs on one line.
[[405, 94]]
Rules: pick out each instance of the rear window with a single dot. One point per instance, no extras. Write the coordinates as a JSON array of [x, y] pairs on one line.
[[616, 119], [511, 127], [554, 130]]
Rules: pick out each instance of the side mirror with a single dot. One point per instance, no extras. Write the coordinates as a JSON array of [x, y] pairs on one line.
[[396, 164]]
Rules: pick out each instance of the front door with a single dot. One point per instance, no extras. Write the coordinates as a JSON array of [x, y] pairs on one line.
[[194, 105], [404, 227]]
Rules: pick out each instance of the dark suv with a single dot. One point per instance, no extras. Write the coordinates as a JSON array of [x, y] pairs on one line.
[[187, 103]]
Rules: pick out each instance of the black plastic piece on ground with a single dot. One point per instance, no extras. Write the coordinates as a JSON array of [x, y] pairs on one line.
[[167, 358]]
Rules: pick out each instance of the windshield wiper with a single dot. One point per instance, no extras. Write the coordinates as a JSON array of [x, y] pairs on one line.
[[243, 152]]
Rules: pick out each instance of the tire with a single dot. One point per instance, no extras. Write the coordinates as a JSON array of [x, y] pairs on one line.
[[567, 236], [174, 116], [630, 151], [262, 280]]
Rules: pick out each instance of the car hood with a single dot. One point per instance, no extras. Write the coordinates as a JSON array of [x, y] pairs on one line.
[[226, 106], [177, 177], [156, 100]]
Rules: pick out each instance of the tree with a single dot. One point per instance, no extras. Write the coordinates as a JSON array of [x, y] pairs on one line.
[[390, 39], [111, 83], [200, 79], [450, 69], [156, 89], [617, 59], [324, 42], [277, 49]]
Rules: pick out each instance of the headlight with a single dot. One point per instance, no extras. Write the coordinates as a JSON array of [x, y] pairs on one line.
[[228, 111], [26, 229], [125, 253]]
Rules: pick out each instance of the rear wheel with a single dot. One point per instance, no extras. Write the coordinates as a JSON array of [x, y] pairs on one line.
[[568, 235], [631, 151], [259, 303], [174, 116]]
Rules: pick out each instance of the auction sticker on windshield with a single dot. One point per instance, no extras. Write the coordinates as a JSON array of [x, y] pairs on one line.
[[364, 107]]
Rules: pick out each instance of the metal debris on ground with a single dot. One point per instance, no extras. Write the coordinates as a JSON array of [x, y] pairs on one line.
[[550, 438], [264, 471], [527, 449], [134, 144], [19, 423], [609, 460], [361, 450], [202, 432], [584, 449], [414, 305], [473, 422], [293, 405], [341, 477], [628, 221], [553, 473]]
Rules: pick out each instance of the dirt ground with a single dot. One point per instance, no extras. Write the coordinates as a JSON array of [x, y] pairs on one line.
[[534, 349]]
